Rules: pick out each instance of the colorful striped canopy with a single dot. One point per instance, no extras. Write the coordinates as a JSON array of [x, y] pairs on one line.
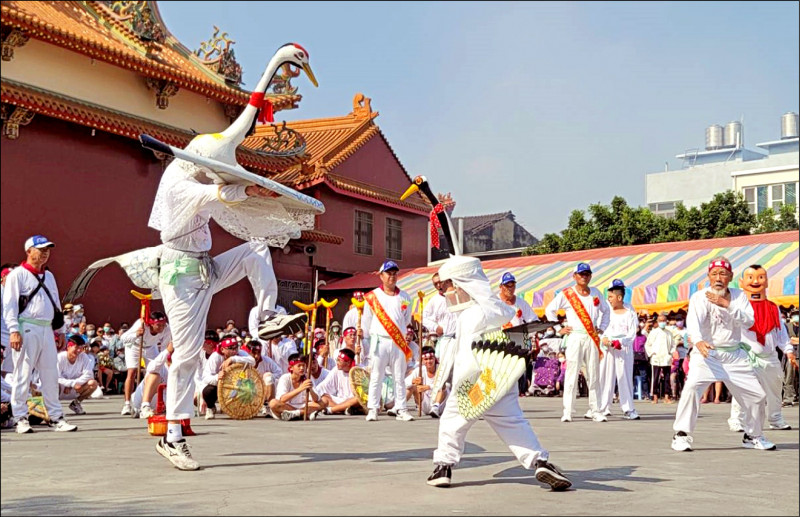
[[658, 276]]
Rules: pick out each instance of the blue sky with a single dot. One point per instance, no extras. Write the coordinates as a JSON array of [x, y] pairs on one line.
[[535, 107]]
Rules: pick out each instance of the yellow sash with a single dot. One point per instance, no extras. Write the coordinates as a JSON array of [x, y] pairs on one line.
[[583, 315], [388, 324]]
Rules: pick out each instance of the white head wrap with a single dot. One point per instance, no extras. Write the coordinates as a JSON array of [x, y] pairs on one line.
[[467, 273]]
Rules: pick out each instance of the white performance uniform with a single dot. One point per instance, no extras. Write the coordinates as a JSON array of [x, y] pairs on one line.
[[616, 367], [5, 391], [523, 313], [70, 374], [158, 366], [427, 381], [269, 370], [189, 278], [38, 350], [768, 370], [8, 361], [351, 320], [384, 352], [336, 385], [152, 344], [323, 374], [721, 328], [284, 386], [436, 315], [505, 417], [214, 365], [579, 348]]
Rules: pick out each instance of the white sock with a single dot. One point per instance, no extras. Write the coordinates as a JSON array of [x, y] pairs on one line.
[[127, 402], [174, 433], [145, 404]]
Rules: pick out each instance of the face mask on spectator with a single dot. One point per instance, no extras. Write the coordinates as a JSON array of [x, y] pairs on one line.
[[796, 318], [76, 329], [549, 334], [561, 359], [106, 329], [662, 324], [679, 324], [90, 333]]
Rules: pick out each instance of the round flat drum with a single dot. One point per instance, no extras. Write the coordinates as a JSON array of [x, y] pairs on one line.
[[241, 392], [359, 383]]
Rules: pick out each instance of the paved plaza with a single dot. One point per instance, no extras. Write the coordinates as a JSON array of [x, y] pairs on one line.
[[345, 466]]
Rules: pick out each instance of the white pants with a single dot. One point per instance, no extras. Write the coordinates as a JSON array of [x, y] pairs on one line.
[[735, 371], [386, 353], [187, 304], [132, 359], [506, 420], [771, 379], [616, 368], [138, 394], [580, 350], [38, 352]]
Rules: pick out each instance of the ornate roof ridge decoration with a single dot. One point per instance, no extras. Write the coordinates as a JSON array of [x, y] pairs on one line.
[[12, 38], [138, 16], [218, 56], [92, 28], [285, 142], [55, 105], [447, 201]]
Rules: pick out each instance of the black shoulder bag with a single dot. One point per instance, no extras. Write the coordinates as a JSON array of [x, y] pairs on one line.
[[24, 300]]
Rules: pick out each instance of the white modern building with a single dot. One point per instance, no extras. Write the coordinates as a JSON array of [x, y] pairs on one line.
[[766, 178]]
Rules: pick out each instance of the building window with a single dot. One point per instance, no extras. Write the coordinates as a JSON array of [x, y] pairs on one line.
[[761, 197], [664, 209], [363, 233], [394, 238]]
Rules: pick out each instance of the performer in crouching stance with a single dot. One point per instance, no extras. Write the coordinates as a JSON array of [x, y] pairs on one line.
[[469, 295]]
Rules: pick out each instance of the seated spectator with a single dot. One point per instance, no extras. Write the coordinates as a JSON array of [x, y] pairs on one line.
[[209, 347], [269, 371], [94, 350], [318, 373], [562, 359], [322, 350], [120, 370], [226, 355], [290, 394], [420, 388], [335, 391], [105, 368], [75, 378], [151, 336], [156, 374]]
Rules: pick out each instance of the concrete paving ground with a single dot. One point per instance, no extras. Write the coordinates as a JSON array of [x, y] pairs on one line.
[[345, 466]]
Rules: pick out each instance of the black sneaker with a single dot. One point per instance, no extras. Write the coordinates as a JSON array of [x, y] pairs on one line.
[[548, 473], [441, 476], [280, 324]]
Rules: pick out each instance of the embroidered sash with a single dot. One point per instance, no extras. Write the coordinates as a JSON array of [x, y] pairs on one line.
[[388, 324], [583, 315]]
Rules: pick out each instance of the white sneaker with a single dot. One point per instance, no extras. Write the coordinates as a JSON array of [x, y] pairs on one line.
[[23, 426], [781, 425], [126, 409], [736, 426], [681, 443], [146, 412], [589, 415], [372, 416], [631, 415], [263, 411], [391, 412], [291, 415], [607, 412], [599, 417], [566, 418], [436, 411], [757, 442], [314, 415], [76, 407], [63, 426], [209, 414], [404, 416], [177, 453]]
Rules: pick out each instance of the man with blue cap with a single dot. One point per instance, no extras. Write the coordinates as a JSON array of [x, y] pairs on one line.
[[587, 317], [387, 313], [523, 313], [30, 306], [616, 368]]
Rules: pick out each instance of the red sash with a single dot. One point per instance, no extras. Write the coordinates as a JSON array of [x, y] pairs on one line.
[[583, 315], [767, 318], [388, 324]]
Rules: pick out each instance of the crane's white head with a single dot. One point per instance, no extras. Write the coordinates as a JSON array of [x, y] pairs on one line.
[[414, 188], [295, 54]]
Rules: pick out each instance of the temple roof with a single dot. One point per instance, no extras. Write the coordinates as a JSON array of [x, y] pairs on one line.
[[133, 36], [475, 223], [329, 142]]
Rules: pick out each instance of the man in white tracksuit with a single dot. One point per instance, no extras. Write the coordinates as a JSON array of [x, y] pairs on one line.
[[437, 319], [154, 337], [587, 315], [616, 367], [31, 333], [767, 334], [388, 346], [714, 323], [478, 309]]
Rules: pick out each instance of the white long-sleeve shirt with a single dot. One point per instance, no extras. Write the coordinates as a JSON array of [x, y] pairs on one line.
[[435, 314], [598, 312], [716, 325], [397, 307], [160, 340], [523, 313], [336, 384], [774, 339], [70, 374], [20, 281], [267, 365], [622, 326], [659, 347], [214, 364]]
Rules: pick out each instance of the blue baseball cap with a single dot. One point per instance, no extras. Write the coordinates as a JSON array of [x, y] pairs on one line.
[[582, 267], [616, 284], [508, 277], [38, 241], [389, 264]]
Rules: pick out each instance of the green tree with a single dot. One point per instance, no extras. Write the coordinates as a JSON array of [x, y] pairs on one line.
[[768, 221]]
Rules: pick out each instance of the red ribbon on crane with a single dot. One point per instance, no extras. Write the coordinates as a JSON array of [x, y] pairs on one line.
[[264, 106], [435, 224]]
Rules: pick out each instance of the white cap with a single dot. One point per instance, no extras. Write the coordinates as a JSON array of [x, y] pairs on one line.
[[38, 241]]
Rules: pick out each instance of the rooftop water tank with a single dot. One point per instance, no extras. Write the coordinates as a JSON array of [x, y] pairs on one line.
[[789, 125], [713, 137], [733, 135]]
